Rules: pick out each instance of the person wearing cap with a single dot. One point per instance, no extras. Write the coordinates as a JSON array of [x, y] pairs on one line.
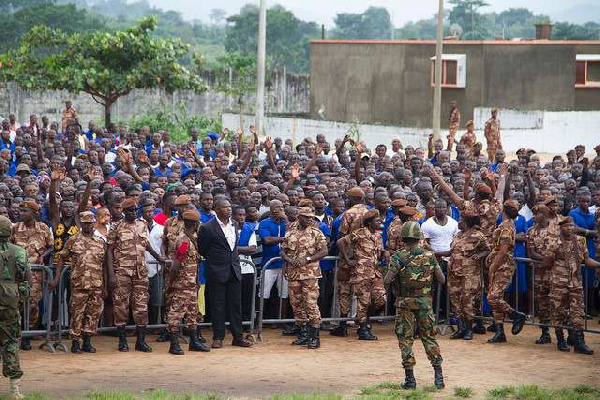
[[492, 135], [361, 250], [128, 273], [454, 121], [501, 267], [301, 250], [410, 274], [36, 238], [468, 139], [15, 276], [566, 290], [182, 303], [86, 252]]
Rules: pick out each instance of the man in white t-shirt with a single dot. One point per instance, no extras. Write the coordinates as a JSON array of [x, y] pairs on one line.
[[440, 229]]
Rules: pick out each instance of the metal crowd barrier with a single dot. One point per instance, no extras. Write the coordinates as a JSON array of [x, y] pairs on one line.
[[47, 299]]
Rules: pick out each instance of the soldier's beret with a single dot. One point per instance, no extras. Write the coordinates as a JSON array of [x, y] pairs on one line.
[[565, 220], [408, 211], [372, 213], [191, 215], [512, 204], [32, 205], [306, 212], [540, 208], [171, 187], [86, 216], [399, 203], [355, 192], [483, 188], [182, 200], [128, 203], [549, 200]]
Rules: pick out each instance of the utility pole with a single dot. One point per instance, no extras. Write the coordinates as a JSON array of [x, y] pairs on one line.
[[262, 55], [437, 92]]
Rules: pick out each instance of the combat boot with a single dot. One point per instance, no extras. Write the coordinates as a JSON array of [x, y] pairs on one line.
[[25, 344], [123, 346], [87, 344], [313, 338], [479, 328], [468, 330], [15, 389], [302, 336], [364, 332], [75, 347], [570, 337], [140, 343], [580, 346], [340, 330], [545, 336], [560, 340], [199, 335], [492, 327], [174, 348], [409, 380], [439, 377], [164, 336], [195, 343], [499, 337], [460, 331], [291, 330], [518, 319]]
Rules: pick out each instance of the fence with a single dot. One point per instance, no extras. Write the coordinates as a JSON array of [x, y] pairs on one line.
[[47, 301]]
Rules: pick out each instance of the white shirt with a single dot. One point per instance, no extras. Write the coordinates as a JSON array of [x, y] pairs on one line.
[[155, 236], [229, 232], [526, 212], [440, 236]]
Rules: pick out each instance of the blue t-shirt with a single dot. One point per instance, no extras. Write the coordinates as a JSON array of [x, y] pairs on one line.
[[389, 217], [326, 265], [586, 221], [270, 228], [159, 173], [205, 217]]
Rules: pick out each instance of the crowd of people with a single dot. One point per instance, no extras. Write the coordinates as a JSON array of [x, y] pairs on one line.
[[155, 231]]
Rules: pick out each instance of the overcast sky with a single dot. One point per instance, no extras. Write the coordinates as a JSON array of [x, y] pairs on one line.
[[323, 11]]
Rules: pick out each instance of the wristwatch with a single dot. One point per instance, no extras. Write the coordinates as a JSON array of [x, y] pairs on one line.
[[308, 259]]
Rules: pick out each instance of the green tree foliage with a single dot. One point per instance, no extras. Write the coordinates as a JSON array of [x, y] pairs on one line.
[[466, 14], [567, 31], [104, 65], [374, 23]]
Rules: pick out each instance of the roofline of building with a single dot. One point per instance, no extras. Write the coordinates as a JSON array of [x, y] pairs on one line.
[[477, 42]]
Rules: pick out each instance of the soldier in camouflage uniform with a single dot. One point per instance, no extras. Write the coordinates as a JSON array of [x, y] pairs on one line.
[[301, 250], [15, 276], [86, 252], [467, 250], [183, 300], [362, 250], [566, 289], [410, 273], [36, 238], [128, 274], [405, 213], [501, 266], [351, 221]]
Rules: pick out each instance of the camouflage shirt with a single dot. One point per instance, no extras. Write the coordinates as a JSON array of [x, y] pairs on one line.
[[11, 280], [541, 239], [504, 235], [188, 273], [412, 272], [367, 247], [488, 211], [129, 241], [87, 259], [173, 228], [464, 247], [299, 244], [34, 240], [569, 253], [352, 219]]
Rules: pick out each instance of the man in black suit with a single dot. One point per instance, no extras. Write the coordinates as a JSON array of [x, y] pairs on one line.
[[217, 242]]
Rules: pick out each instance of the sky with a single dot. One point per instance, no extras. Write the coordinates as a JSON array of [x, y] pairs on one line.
[[323, 11]]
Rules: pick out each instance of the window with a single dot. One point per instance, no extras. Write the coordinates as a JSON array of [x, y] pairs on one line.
[[587, 71], [453, 70]]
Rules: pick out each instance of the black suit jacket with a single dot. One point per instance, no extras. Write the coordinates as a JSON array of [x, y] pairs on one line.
[[220, 260]]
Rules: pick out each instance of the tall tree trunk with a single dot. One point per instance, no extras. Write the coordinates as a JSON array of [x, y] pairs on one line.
[[107, 106], [241, 104]]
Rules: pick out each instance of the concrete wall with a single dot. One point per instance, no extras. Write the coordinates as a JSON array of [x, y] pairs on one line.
[[286, 93], [389, 82]]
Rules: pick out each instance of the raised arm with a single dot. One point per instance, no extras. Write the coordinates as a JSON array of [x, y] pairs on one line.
[[430, 149], [359, 151], [57, 175], [456, 199], [530, 199], [85, 198], [502, 171], [295, 174]]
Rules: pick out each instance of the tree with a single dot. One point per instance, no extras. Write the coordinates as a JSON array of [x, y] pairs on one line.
[[104, 65], [567, 31], [466, 14], [374, 23], [217, 15]]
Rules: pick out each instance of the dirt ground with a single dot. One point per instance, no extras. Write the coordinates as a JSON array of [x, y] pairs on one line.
[[342, 365]]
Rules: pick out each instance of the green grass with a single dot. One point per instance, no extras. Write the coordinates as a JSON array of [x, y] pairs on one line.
[[393, 390], [312, 396], [464, 392], [534, 392]]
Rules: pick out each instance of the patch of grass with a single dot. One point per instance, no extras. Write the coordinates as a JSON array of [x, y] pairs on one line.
[[109, 395], [29, 396], [532, 392], [464, 392], [393, 390], [501, 392], [580, 392], [311, 396]]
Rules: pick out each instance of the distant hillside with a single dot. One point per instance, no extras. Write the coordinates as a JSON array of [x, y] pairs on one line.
[[578, 14]]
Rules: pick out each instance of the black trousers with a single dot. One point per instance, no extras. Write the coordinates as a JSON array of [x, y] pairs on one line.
[[226, 305], [326, 286], [247, 294]]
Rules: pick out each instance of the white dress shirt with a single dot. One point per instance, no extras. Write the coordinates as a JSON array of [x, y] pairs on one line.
[[229, 232]]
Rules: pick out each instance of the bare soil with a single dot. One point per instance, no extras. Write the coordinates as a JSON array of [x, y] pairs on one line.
[[341, 365]]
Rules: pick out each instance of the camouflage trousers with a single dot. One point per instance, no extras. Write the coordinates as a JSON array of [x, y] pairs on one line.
[[491, 152], [10, 337], [498, 284], [567, 305], [85, 306], [131, 290], [415, 312], [464, 291], [368, 291], [452, 135], [304, 296], [182, 304], [36, 293], [542, 294], [344, 288]]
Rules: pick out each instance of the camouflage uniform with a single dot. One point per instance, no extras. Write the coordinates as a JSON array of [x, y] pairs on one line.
[[173, 228], [13, 285], [366, 278], [394, 242], [303, 285], [34, 240], [488, 211], [464, 271], [504, 234], [129, 241], [414, 271], [492, 136], [87, 282], [540, 240], [454, 125]]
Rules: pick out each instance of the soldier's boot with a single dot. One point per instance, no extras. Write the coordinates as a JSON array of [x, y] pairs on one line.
[[580, 346], [313, 338], [468, 330], [340, 330], [15, 389], [518, 319], [302, 336], [364, 332], [499, 337], [25, 344], [140, 343], [570, 337], [75, 347], [199, 335], [460, 331], [479, 328], [164, 336], [174, 348], [123, 346], [195, 343], [439, 377], [492, 327], [87, 344], [545, 336], [409, 380], [560, 340], [291, 330]]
